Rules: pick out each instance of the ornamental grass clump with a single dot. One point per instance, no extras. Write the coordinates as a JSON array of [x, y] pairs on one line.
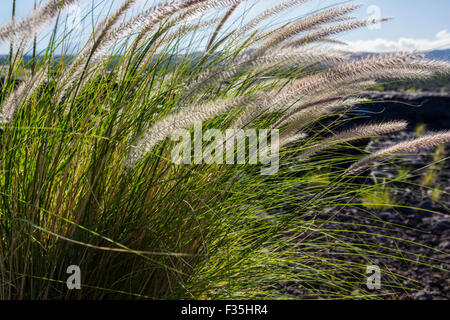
[[85, 153]]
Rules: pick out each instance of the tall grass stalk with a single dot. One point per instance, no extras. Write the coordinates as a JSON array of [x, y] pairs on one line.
[[87, 176]]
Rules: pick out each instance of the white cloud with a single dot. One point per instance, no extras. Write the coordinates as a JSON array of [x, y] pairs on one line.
[[442, 41]]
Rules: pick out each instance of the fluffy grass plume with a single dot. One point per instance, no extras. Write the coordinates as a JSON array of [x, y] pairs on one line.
[[87, 176]]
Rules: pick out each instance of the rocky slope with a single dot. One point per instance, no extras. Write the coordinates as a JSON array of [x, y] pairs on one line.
[[432, 109]]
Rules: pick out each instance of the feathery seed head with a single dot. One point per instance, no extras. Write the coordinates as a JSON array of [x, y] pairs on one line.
[[425, 142]]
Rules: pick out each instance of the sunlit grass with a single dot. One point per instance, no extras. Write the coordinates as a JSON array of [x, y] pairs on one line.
[[160, 230]]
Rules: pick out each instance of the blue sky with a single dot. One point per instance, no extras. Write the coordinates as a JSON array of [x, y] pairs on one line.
[[417, 24]]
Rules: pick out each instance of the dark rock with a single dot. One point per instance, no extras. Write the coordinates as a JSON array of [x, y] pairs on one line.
[[432, 109]]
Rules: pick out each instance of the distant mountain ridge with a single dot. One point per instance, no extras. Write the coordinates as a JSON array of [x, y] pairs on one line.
[[435, 54], [439, 54]]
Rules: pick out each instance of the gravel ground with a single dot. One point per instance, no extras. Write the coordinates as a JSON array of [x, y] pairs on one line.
[[426, 253], [411, 246]]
